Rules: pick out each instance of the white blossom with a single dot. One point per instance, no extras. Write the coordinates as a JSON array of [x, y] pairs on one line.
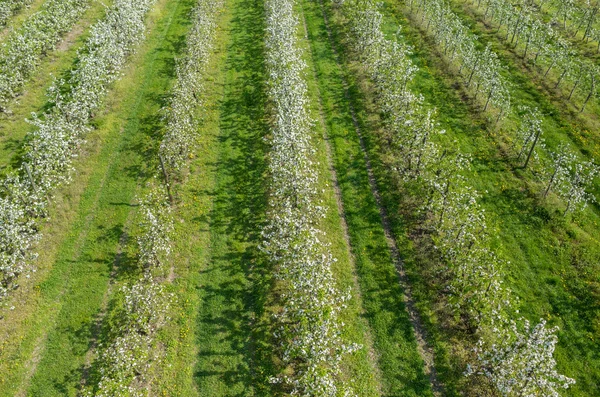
[[520, 362], [20, 54], [309, 327]]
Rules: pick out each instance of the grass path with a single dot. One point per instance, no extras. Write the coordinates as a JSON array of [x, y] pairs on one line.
[[234, 282], [192, 241], [101, 252], [58, 328], [56, 63], [400, 349]]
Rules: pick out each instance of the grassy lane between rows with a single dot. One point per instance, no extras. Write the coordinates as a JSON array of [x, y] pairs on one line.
[[235, 327], [232, 353], [47, 337], [56, 63], [361, 370], [552, 260], [382, 297]]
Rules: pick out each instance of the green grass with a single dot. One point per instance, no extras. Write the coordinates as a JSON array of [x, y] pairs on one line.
[[219, 341], [233, 284], [61, 325], [192, 240], [382, 296], [541, 246], [235, 324], [102, 252], [56, 63], [360, 368]]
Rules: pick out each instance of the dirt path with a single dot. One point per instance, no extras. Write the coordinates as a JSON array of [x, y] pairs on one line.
[[425, 350]]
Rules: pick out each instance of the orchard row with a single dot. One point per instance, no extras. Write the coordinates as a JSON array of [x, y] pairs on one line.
[[511, 357]]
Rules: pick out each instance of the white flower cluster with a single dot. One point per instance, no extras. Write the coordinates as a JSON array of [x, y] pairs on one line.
[[53, 144], [529, 135], [154, 244], [570, 178], [17, 234], [125, 361], [309, 328], [181, 115], [10, 7], [520, 363], [21, 53], [456, 219], [483, 68], [523, 23]]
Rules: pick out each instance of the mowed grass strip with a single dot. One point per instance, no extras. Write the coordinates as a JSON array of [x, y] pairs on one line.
[[360, 369], [233, 356], [59, 371], [64, 361], [553, 261], [56, 64], [49, 345], [380, 295]]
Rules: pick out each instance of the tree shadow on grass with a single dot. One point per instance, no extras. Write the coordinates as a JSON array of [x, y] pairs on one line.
[[232, 359]]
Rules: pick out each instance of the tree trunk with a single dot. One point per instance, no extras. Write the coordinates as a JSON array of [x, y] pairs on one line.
[[551, 182], [575, 86], [473, 72], [488, 99], [591, 91], [516, 27], [560, 78], [537, 136], [549, 67]]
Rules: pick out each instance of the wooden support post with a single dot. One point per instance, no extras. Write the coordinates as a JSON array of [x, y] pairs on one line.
[[166, 176]]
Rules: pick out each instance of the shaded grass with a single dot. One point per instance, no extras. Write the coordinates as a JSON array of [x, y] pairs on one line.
[[63, 363], [232, 357], [192, 240], [360, 371]]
